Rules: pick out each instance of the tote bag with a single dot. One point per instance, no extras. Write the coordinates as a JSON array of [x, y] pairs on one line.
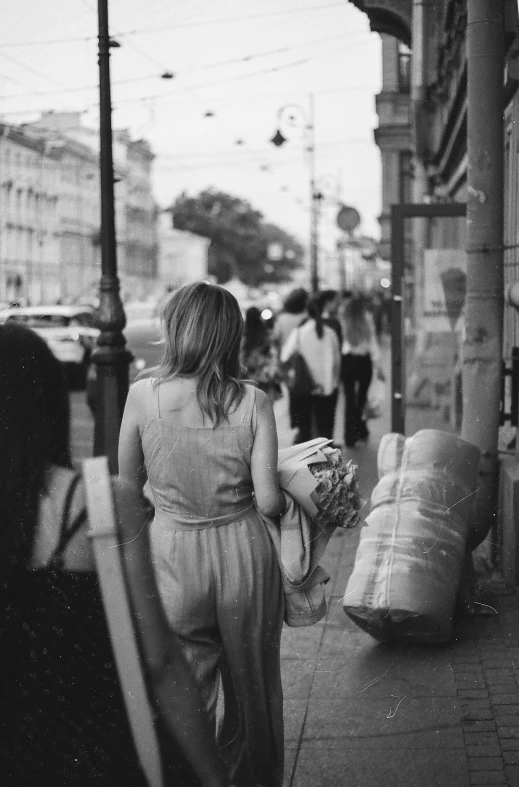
[[298, 377]]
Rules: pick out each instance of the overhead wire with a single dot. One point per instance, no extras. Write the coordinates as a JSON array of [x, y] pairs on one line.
[[175, 26], [182, 71]]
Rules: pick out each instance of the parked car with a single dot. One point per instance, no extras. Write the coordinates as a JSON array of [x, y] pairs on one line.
[[69, 331], [144, 340]]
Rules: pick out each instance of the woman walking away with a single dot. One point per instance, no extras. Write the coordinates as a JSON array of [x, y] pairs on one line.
[[207, 443], [259, 356], [360, 353], [319, 346], [63, 719]]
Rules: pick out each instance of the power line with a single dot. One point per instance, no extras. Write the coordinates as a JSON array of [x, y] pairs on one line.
[[227, 80], [29, 68], [245, 152], [177, 26], [203, 67]]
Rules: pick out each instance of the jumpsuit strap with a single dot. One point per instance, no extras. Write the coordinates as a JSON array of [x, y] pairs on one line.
[[250, 404]]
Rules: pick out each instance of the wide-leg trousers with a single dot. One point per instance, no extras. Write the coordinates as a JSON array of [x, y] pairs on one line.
[[221, 589]]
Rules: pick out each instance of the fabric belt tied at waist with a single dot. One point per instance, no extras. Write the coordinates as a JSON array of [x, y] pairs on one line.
[[179, 521]]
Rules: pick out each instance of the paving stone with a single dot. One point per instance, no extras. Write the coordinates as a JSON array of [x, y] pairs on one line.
[[512, 774], [477, 683], [290, 761], [481, 738], [294, 712], [415, 722], [492, 750], [507, 732], [302, 642], [480, 714], [498, 673], [297, 676], [502, 686], [505, 720], [485, 763], [504, 699], [486, 779], [476, 704], [511, 757], [509, 744], [326, 766], [478, 726], [472, 694], [506, 710]]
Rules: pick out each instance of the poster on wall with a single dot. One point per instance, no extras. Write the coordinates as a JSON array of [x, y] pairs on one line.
[[445, 286], [437, 352]]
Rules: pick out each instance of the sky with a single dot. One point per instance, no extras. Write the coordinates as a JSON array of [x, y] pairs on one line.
[[240, 67]]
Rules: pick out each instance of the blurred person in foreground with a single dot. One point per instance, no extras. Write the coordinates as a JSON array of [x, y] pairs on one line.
[[259, 355], [360, 356], [63, 717], [207, 443], [320, 348]]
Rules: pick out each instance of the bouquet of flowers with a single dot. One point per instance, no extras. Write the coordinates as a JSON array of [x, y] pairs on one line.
[[324, 485]]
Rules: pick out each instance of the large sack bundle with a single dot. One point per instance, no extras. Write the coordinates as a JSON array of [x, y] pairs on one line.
[[411, 552]]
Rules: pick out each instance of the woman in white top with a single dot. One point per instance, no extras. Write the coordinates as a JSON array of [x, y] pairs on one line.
[[319, 346], [360, 353]]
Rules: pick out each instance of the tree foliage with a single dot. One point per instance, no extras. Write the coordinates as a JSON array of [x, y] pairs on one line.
[[240, 238]]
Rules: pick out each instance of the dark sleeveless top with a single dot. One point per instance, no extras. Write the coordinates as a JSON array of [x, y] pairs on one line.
[[62, 715]]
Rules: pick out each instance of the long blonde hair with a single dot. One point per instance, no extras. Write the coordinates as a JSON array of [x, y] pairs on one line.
[[356, 325], [202, 326]]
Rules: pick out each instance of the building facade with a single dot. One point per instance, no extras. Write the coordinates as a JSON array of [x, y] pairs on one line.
[[464, 53], [75, 152], [29, 219]]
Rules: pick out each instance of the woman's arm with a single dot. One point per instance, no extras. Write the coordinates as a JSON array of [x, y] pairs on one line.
[[130, 456], [270, 500], [172, 684]]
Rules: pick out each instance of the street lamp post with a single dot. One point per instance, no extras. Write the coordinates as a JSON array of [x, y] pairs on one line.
[[111, 357], [315, 197]]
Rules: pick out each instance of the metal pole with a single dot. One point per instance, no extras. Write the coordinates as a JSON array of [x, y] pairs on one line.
[[314, 202], [110, 356], [482, 346]]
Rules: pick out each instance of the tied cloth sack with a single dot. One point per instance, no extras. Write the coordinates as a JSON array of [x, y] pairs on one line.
[[410, 558], [298, 377]]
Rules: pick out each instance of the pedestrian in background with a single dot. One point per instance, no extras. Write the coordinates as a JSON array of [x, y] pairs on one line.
[[259, 355], [207, 443], [360, 355], [329, 301], [293, 314], [320, 348], [63, 717]]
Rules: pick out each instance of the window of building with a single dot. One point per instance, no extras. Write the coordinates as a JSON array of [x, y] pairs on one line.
[[405, 174], [404, 68]]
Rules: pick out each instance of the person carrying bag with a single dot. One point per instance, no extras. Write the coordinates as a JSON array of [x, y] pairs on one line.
[[312, 357], [94, 687]]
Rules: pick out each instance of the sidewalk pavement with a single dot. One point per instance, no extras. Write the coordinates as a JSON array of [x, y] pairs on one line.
[[359, 713]]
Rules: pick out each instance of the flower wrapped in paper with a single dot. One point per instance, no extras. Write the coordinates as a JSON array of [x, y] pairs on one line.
[[321, 492], [318, 478]]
